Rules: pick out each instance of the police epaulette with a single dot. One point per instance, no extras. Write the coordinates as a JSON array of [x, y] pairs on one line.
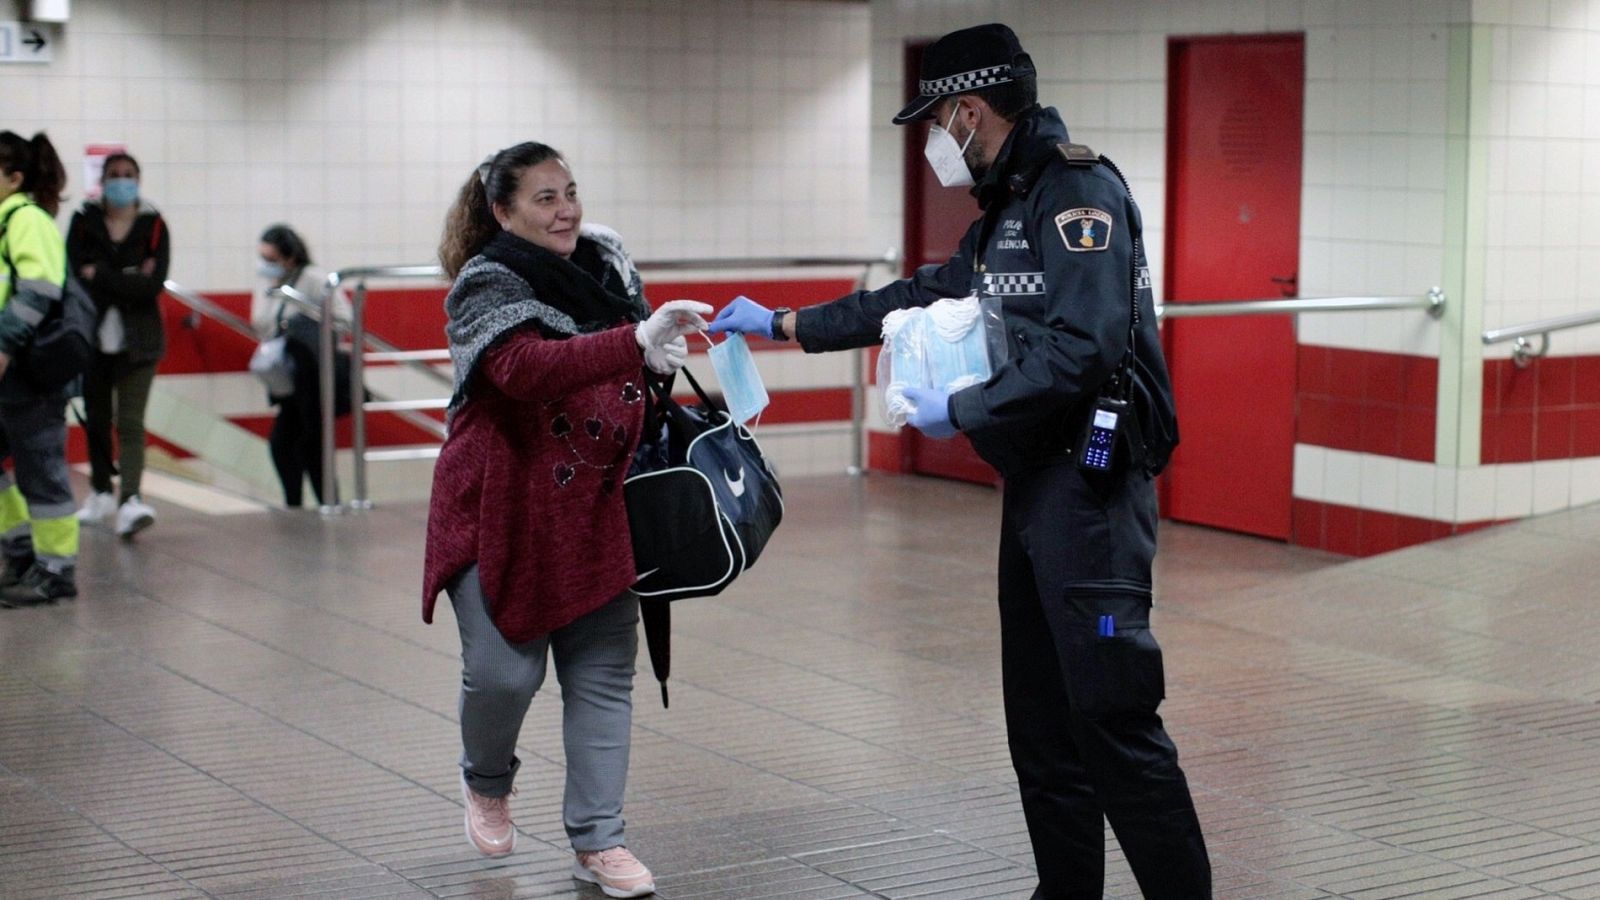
[[1078, 154]]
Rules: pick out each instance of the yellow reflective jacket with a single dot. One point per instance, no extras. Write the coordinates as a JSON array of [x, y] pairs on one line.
[[37, 256]]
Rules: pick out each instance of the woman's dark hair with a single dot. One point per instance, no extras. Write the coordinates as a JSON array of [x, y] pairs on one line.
[[43, 176], [288, 244], [470, 224], [123, 157]]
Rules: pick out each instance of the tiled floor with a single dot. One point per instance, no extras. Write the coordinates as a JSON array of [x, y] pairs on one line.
[[248, 705]]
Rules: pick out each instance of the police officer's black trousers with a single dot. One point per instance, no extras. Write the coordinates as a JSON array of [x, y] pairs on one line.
[[1081, 718]]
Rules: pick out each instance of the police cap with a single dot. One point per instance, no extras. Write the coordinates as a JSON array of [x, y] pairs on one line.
[[965, 61]]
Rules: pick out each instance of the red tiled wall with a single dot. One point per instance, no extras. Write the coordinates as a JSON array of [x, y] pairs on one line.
[[1366, 532], [1367, 402], [413, 318], [1550, 410]]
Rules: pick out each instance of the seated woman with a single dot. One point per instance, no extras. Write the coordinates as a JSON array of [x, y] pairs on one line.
[[527, 531]]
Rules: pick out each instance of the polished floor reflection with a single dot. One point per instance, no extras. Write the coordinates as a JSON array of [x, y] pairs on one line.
[[248, 706]]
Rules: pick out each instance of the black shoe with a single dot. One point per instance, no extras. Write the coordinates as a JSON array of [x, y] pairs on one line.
[[15, 567], [39, 586]]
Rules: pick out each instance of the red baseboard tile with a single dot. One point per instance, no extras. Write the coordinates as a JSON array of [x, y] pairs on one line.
[[886, 452], [1366, 532]]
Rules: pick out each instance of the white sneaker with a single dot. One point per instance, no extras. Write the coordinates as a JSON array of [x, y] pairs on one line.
[[98, 507], [134, 516]]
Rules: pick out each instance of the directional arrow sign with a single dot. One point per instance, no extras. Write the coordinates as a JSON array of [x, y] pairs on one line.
[[26, 42]]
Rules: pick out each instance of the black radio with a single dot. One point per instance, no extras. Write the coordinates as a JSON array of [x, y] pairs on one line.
[[1097, 445]]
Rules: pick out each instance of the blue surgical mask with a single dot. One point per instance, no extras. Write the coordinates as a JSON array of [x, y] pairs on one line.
[[120, 192], [741, 384], [271, 271]]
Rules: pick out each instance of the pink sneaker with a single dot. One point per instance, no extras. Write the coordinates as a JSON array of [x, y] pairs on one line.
[[618, 872], [488, 822]]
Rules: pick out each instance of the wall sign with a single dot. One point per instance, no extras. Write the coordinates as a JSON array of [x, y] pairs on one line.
[[26, 42]]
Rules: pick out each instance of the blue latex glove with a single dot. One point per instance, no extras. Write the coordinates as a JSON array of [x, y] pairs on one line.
[[932, 413], [743, 316]]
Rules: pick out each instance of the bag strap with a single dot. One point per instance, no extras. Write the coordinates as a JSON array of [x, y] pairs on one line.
[[664, 394], [1124, 373], [5, 255], [155, 236]]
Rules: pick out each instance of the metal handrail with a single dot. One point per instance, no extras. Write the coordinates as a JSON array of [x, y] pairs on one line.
[[357, 328], [890, 257], [358, 375], [200, 305], [382, 350], [314, 309], [205, 306], [1522, 352], [1433, 302]]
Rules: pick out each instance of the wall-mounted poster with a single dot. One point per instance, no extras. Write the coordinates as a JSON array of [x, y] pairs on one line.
[[94, 163]]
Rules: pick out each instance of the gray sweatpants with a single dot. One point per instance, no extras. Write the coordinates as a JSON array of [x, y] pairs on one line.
[[594, 659]]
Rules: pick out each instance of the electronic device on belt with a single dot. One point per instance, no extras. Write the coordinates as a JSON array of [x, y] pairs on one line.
[[1098, 444]]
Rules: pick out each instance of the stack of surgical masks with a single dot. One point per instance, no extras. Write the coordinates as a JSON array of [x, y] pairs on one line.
[[943, 346]]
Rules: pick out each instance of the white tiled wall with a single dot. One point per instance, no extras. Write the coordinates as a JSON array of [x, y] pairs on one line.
[[1543, 255], [1443, 493], [729, 128], [1372, 218]]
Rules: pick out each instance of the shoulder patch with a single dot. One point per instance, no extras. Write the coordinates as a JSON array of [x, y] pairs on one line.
[[1078, 154], [1085, 229]]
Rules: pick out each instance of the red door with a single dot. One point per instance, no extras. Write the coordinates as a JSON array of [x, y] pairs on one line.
[[1233, 233], [935, 219]]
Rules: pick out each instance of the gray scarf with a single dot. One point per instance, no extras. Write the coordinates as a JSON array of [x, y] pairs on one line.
[[488, 301]]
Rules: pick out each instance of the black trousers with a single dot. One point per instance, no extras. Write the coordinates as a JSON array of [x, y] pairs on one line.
[[1081, 718], [115, 393], [296, 445]]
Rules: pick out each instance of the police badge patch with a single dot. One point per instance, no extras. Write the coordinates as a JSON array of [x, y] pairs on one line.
[[1083, 230]]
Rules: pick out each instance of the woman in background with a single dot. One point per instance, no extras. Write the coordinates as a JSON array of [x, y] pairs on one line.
[[119, 247], [296, 439]]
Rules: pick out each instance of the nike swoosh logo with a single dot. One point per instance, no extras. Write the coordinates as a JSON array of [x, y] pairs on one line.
[[643, 575], [737, 486]]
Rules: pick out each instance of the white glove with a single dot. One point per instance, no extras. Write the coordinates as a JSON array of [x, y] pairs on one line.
[[674, 319], [667, 358]]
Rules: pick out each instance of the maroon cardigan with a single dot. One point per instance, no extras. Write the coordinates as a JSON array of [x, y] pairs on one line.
[[529, 483]]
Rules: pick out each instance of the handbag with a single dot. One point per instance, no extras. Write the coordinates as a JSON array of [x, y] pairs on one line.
[[63, 341], [272, 364], [702, 501]]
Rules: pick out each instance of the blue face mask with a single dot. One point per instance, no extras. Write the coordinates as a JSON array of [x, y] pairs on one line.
[[741, 384], [121, 192]]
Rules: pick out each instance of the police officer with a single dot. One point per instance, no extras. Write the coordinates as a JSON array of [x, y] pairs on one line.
[[1058, 243]]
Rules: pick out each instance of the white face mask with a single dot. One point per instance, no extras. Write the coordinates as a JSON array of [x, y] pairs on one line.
[[947, 158]]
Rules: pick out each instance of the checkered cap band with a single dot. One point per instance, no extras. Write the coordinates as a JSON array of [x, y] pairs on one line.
[[1014, 283], [966, 81]]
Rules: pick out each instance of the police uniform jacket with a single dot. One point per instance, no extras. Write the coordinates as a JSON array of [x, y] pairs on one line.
[[1056, 244]]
